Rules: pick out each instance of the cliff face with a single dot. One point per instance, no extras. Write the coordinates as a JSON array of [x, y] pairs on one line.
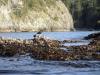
[[34, 15]]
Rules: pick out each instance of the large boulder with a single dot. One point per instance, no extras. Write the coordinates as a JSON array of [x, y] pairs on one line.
[[95, 36], [34, 15]]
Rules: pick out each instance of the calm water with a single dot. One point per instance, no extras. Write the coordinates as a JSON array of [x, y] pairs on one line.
[[52, 35], [24, 65]]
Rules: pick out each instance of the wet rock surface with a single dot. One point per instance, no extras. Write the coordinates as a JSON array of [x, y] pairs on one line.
[[47, 49], [93, 36]]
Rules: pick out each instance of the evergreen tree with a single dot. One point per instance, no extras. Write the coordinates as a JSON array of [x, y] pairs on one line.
[[86, 13]]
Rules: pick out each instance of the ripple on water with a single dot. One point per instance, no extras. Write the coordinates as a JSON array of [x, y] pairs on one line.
[[26, 65]]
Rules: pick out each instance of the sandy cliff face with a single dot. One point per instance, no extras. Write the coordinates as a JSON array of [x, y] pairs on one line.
[[34, 15]]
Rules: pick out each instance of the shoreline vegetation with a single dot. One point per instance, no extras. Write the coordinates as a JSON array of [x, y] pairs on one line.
[[34, 15], [40, 48]]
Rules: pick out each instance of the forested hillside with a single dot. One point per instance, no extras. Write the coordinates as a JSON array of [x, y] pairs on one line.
[[86, 13]]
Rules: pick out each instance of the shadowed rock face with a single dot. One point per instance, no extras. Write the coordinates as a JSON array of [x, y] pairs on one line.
[[34, 15]]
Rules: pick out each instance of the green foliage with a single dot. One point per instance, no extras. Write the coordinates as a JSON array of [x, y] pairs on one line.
[[33, 4], [50, 2], [68, 3], [19, 13], [86, 13], [28, 5], [56, 18], [3, 2], [38, 4]]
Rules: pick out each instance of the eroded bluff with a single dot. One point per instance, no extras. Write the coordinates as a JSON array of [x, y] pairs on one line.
[[34, 15]]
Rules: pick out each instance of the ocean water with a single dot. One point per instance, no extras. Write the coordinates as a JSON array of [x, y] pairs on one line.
[[24, 65], [51, 35]]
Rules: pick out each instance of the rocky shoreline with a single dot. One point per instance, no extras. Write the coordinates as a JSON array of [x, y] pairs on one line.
[[47, 49]]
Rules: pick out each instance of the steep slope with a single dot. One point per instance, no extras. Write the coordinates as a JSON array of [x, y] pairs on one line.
[[34, 15]]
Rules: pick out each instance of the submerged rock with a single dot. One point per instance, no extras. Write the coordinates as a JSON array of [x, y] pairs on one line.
[[34, 15]]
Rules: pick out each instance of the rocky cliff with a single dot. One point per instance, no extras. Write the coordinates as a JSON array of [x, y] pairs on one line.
[[34, 15]]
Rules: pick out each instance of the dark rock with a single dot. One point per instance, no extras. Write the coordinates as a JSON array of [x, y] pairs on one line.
[[46, 49], [93, 36], [96, 56]]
